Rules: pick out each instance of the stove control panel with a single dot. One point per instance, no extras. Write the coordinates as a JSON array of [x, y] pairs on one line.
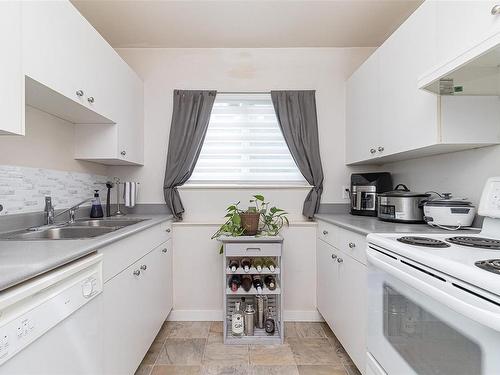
[[489, 205]]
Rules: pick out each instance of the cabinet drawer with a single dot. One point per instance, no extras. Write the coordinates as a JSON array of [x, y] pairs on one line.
[[349, 242], [329, 233], [353, 244], [253, 249], [121, 254]]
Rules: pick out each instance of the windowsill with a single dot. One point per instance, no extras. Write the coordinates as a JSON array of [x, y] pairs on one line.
[[194, 186]]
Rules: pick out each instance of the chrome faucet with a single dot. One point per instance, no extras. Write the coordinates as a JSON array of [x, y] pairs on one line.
[[50, 215]]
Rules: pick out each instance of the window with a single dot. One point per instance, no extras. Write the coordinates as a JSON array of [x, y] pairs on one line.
[[244, 144]]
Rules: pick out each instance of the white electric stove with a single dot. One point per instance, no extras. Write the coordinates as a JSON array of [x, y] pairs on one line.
[[434, 299]]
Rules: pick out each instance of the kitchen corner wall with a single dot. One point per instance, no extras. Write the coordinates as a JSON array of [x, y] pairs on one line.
[[42, 163]]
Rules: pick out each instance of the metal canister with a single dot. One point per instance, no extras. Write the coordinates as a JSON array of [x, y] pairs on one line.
[[249, 320], [260, 312]]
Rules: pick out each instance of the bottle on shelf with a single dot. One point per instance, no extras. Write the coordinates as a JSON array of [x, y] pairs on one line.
[[246, 282], [233, 265], [237, 322], [270, 325], [243, 304], [260, 302], [270, 263], [257, 283], [270, 282], [258, 263], [246, 263], [249, 320], [234, 282]]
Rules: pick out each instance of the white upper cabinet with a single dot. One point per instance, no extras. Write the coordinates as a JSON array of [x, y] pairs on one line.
[[73, 73], [403, 121], [11, 77], [462, 25], [363, 112]]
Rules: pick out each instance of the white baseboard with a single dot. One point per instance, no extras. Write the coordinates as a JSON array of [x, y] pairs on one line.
[[195, 315], [302, 316], [216, 315]]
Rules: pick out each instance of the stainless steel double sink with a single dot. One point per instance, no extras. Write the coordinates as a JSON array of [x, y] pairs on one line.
[[80, 229]]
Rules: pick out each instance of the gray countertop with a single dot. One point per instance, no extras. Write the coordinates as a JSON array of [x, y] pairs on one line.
[[22, 260], [366, 225]]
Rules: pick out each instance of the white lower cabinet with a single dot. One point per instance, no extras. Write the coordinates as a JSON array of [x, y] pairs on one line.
[[136, 303], [341, 299]]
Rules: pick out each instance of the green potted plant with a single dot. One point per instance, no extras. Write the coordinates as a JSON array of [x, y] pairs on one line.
[[257, 220], [251, 217]]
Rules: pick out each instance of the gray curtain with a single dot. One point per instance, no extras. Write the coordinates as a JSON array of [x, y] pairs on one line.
[[296, 112], [190, 117]]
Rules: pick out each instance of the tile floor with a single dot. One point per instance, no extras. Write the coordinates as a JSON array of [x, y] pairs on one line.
[[196, 348]]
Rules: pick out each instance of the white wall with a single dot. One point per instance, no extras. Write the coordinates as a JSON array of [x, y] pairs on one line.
[[48, 143], [461, 173], [163, 70]]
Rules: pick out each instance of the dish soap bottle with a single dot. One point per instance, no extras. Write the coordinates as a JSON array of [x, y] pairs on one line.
[[96, 210]]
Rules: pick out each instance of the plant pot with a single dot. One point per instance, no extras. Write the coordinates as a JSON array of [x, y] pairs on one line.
[[250, 222]]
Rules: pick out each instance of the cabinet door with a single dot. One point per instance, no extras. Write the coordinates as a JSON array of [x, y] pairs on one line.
[[124, 339], [53, 39], [351, 303], [11, 78], [131, 120], [409, 115], [362, 111], [159, 288], [462, 25], [327, 283], [62, 51]]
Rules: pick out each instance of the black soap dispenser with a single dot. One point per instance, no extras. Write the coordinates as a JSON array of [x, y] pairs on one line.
[[96, 210]]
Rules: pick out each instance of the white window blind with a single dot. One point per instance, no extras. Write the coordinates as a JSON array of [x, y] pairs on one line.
[[244, 143]]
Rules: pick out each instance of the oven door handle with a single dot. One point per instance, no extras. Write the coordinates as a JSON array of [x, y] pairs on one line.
[[485, 317]]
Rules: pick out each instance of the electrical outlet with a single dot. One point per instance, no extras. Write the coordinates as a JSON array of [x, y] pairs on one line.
[[345, 192]]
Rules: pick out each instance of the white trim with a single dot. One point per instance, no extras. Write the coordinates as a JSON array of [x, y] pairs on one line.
[[216, 315], [211, 223], [222, 186]]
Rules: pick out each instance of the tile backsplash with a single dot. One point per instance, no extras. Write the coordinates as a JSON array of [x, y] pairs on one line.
[[23, 189]]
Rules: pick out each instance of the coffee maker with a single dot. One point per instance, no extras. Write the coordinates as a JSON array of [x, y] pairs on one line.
[[364, 190]]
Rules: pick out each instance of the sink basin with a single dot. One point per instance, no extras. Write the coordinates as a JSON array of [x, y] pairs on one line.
[[79, 230], [106, 222], [61, 233]]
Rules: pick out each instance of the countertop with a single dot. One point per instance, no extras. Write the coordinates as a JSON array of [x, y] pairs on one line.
[[23, 260], [366, 225]]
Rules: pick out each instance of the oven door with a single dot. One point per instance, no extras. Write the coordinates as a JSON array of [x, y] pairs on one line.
[[423, 322]]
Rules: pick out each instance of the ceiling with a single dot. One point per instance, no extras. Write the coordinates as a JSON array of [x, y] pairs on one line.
[[246, 24]]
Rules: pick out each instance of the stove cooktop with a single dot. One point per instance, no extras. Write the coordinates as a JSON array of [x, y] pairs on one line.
[[478, 242], [423, 241], [491, 265]]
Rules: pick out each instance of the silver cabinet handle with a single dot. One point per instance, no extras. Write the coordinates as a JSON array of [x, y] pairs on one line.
[[168, 230], [372, 151], [340, 260], [137, 273], [123, 153], [79, 93], [325, 232], [144, 267], [91, 99], [334, 256], [380, 148], [495, 10], [164, 250], [352, 245]]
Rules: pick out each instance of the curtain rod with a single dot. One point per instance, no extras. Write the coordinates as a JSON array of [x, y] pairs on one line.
[[243, 92]]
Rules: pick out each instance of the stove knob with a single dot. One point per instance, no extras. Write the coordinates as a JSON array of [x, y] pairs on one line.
[[87, 288]]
